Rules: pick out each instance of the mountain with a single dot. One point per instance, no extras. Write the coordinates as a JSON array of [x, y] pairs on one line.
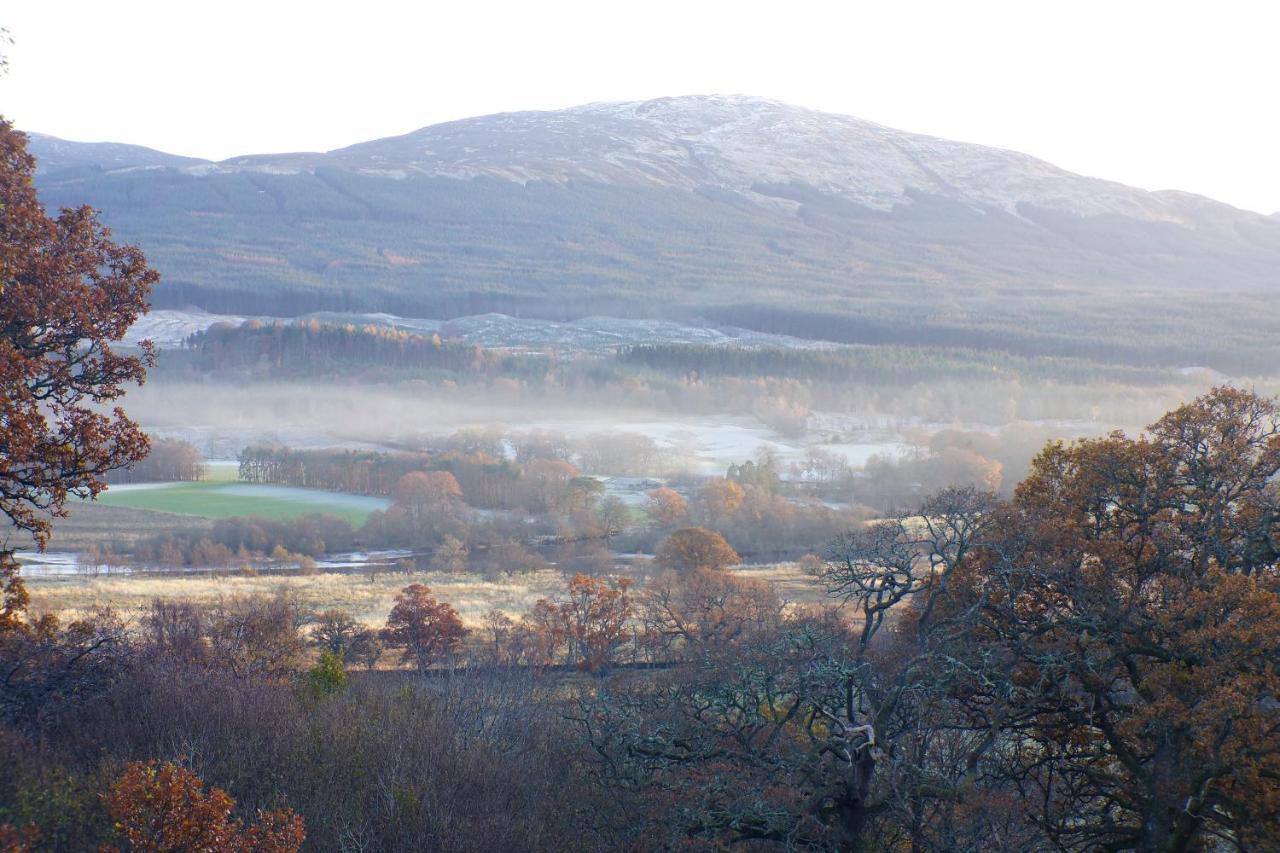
[[60, 156], [745, 145], [731, 208]]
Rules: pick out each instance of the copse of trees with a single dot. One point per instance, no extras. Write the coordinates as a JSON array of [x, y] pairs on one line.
[[229, 540], [167, 460], [360, 471], [757, 522], [242, 637], [481, 478], [585, 628], [313, 348]]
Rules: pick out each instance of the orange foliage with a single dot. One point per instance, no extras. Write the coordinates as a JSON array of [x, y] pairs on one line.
[[425, 628], [721, 498], [1144, 596], [67, 293], [696, 548], [666, 507], [590, 623], [595, 616], [420, 493], [14, 840], [163, 808]]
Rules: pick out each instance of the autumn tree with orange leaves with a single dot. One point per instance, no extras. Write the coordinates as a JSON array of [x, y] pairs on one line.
[[691, 548], [425, 628], [719, 499], [666, 507], [421, 493], [158, 808], [1135, 586], [588, 624], [67, 294], [595, 615]]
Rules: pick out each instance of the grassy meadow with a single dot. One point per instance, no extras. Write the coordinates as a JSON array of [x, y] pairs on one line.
[[368, 597], [221, 495]]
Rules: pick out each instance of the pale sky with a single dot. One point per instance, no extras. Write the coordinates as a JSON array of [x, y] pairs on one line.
[[1161, 95]]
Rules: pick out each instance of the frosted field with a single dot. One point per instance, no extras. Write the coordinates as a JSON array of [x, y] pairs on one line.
[[318, 498], [215, 499], [54, 564], [712, 444], [168, 328]]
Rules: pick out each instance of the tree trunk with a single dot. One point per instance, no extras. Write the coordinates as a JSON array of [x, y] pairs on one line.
[[851, 811]]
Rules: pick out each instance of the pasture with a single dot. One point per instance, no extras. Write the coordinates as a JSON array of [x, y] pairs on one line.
[[222, 496]]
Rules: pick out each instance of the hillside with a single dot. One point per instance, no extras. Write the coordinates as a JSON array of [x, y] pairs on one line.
[[728, 209]]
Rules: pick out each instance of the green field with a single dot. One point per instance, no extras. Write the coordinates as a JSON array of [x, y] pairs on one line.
[[221, 497]]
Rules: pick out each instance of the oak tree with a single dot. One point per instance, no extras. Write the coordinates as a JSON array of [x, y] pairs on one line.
[[426, 629], [666, 507], [696, 548], [1135, 586], [67, 295], [158, 808]]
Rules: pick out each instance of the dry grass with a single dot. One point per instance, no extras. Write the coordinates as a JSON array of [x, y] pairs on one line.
[[790, 581], [369, 599], [98, 524]]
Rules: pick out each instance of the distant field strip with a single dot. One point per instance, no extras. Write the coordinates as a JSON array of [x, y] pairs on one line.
[[213, 499], [368, 597]]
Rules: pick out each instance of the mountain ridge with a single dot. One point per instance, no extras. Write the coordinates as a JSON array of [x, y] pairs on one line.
[[56, 154], [732, 209], [909, 144]]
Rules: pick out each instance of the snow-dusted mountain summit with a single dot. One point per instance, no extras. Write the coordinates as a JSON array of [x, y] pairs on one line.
[[725, 207], [740, 143]]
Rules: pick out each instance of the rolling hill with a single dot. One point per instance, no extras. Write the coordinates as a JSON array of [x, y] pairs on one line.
[[727, 209]]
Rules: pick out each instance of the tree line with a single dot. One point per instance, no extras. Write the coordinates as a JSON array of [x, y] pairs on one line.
[[167, 460], [359, 471], [311, 348], [889, 364]]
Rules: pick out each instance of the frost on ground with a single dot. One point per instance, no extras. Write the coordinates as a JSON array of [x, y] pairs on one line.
[[169, 328]]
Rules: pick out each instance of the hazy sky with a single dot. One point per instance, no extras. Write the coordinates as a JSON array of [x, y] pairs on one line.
[[1156, 94]]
